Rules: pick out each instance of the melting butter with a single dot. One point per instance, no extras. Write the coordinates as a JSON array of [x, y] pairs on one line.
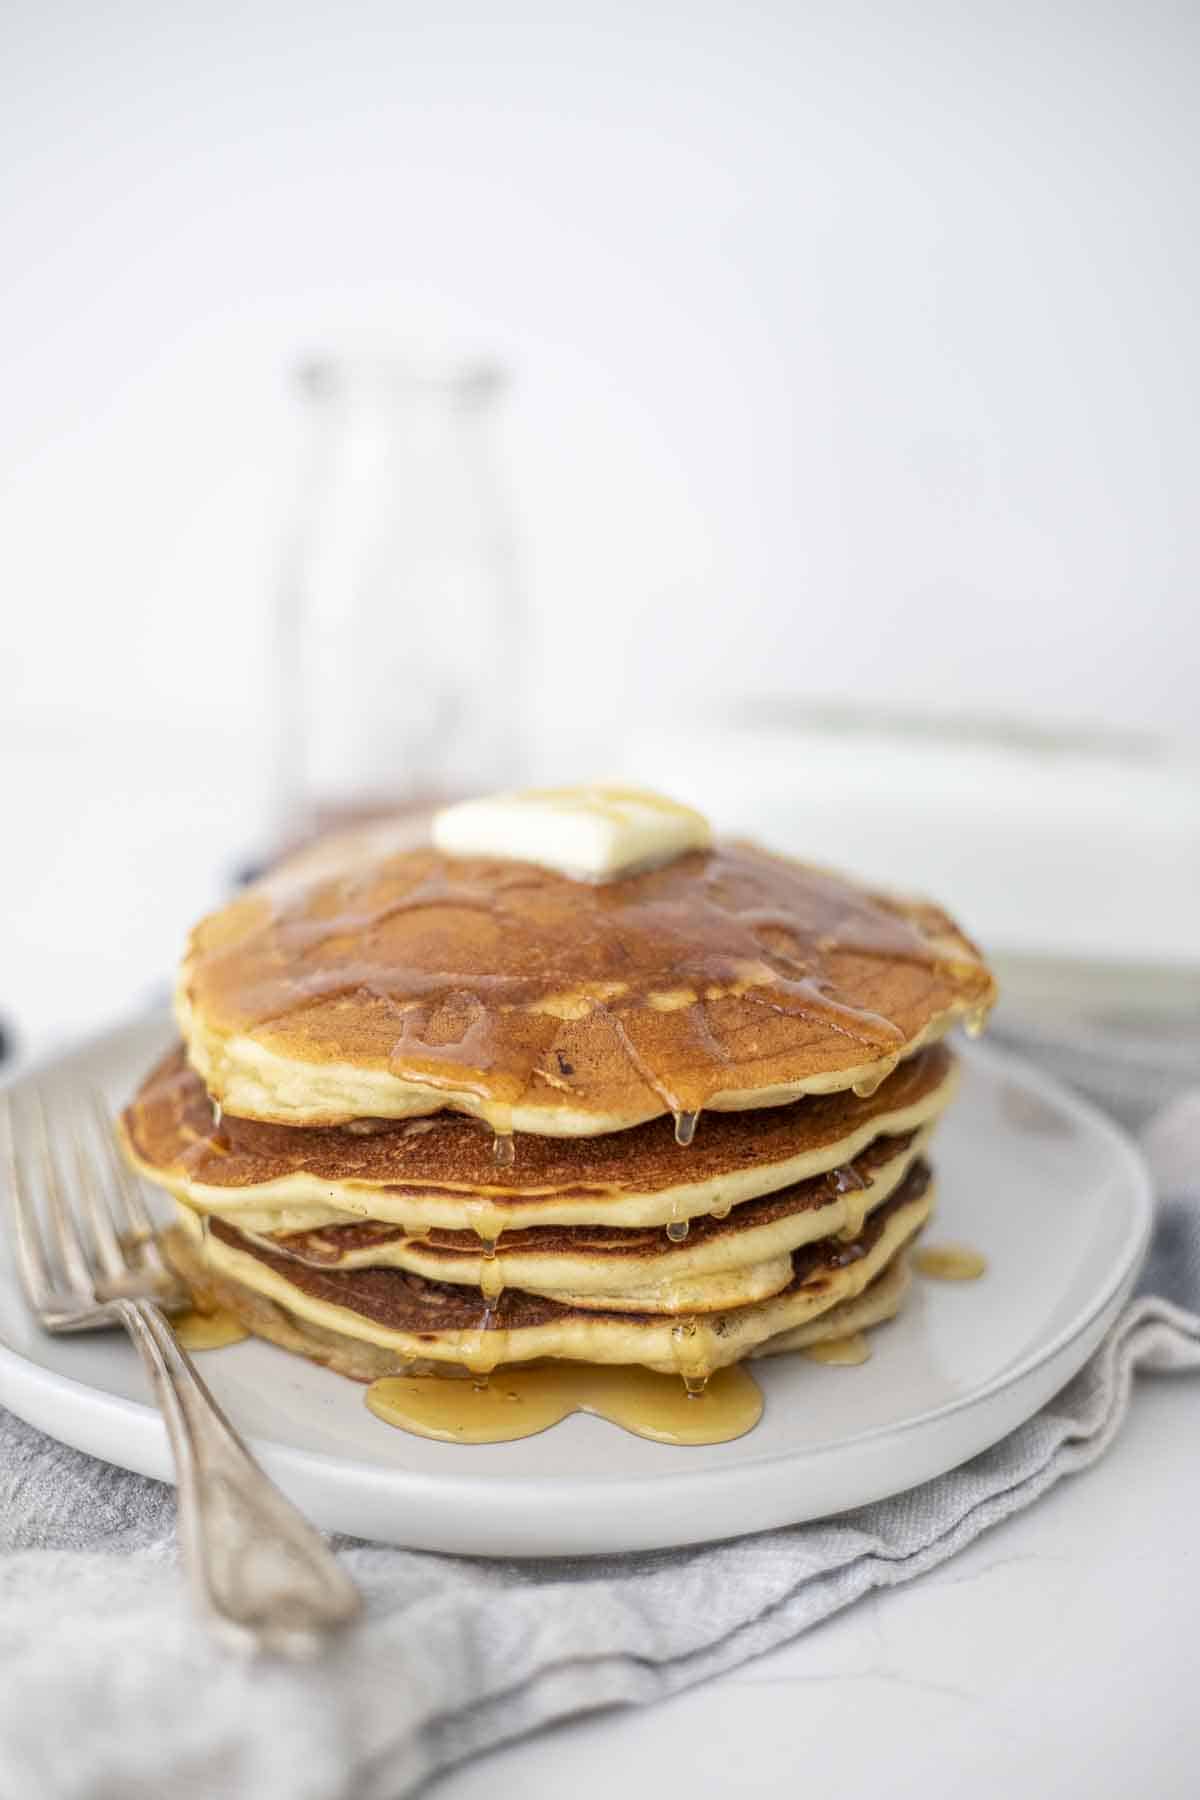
[[208, 1331], [596, 832], [950, 1262], [520, 1402]]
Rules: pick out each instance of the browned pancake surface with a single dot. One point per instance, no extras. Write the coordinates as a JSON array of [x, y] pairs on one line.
[[400, 1301], [726, 971], [329, 1243], [170, 1127]]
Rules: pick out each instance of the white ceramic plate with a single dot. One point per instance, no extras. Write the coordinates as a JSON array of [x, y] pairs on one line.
[[1055, 1197]]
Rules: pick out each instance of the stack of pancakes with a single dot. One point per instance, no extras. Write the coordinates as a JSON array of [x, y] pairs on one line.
[[463, 1112]]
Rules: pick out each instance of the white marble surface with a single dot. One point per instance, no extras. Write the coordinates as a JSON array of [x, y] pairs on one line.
[[1055, 1657]]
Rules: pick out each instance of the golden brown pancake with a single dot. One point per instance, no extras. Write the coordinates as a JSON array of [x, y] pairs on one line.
[[439, 1172], [364, 1361], [741, 1257], [417, 1320], [878, 1302], [405, 981]]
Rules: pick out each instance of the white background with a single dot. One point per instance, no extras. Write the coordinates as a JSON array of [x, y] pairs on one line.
[[854, 355], [855, 345]]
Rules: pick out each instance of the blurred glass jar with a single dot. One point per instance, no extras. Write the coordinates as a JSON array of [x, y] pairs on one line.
[[399, 629]]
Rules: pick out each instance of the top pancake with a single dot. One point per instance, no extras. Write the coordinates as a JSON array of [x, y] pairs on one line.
[[391, 983]]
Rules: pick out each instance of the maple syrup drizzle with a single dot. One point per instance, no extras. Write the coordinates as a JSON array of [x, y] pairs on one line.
[[487, 1222], [685, 1127], [520, 1402], [870, 1084], [846, 1352], [975, 1020], [478, 1354], [854, 1192], [198, 1330], [692, 1343], [677, 1230], [856, 1208], [718, 923], [504, 1149], [491, 1278], [950, 1262]]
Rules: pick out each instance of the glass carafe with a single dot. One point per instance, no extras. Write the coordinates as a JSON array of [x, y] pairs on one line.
[[399, 630]]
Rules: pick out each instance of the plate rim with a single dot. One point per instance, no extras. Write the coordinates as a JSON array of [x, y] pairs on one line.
[[348, 1471]]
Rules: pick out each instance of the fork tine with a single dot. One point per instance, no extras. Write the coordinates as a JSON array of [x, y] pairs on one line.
[[30, 1256], [104, 1232], [132, 1204], [63, 1224]]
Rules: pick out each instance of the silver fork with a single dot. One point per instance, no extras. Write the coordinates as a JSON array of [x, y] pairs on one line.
[[261, 1574]]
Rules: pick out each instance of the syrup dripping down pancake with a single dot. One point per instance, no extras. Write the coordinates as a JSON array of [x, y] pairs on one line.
[[404, 981], [439, 1173], [731, 1261], [413, 1320]]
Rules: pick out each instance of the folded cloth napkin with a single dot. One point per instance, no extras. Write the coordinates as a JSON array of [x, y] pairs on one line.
[[108, 1687]]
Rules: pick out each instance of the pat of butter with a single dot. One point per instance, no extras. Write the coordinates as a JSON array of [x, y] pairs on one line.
[[593, 833]]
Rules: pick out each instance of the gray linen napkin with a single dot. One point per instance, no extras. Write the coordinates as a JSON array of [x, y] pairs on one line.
[[107, 1686]]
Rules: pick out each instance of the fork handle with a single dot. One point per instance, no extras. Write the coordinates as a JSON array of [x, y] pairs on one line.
[[259, 1570]]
